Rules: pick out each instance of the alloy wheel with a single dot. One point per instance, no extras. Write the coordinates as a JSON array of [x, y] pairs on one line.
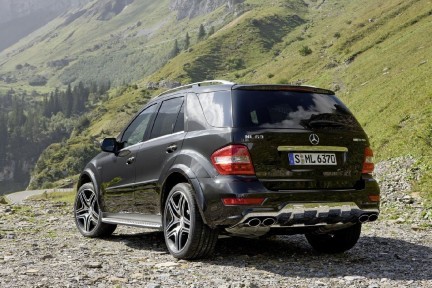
[[87, 210], [177, 221]]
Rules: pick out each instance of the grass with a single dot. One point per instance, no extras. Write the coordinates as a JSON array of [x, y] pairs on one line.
[[380, 60], [68, 196]]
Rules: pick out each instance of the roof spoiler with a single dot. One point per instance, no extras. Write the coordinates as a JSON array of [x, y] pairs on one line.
[[276, 87]]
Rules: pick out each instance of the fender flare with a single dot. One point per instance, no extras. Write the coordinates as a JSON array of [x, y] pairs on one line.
[[193, 181]]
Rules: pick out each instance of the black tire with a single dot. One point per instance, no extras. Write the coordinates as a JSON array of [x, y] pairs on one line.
[[88, 215], [335, 242], [186, 235]]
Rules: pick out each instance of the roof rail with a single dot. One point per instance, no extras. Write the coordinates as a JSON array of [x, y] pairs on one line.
[[197, 84]]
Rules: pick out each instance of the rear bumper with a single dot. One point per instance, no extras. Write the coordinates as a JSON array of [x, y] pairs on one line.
[[302, 215], [284, 209]]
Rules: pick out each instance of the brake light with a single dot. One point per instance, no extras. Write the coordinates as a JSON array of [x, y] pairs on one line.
[[233, 160], [368, 165], [242, 201], [374, 198]]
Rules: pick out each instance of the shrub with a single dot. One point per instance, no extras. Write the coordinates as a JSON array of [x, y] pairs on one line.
[[305, 50]]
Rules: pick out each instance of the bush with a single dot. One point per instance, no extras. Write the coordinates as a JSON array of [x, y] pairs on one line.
[[283, 81], [305, 50], [38, 81]]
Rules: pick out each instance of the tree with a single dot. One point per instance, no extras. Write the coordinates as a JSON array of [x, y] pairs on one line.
[[187, 41], [3, 137], [175, 50], [66, 100], [211, 31], [201, 32]]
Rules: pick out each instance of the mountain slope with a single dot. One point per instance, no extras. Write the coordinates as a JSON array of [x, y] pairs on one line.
[[107, 40], [18, 18], [376, 55]]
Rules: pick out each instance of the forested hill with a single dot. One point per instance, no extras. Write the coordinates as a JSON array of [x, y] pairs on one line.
[[374, 54]]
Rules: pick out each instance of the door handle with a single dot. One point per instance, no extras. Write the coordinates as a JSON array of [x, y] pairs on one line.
[[130, 160], [171, 148]]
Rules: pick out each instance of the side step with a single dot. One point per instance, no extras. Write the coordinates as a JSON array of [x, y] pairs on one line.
[[136, 220]]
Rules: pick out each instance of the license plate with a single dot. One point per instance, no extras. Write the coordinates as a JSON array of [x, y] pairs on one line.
[[312, 159]]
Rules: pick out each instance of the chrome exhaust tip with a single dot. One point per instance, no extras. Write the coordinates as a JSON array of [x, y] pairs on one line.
[[254, 222], [268, 222], [373, 217], [363, 218]]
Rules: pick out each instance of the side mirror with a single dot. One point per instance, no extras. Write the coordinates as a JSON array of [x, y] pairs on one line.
[[109, 145]]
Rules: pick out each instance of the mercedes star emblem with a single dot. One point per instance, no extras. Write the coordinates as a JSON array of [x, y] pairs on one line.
[[314, 139]]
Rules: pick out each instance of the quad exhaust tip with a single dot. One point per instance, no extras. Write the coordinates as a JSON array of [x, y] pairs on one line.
[[255, 222], [268, 222], [368, 218]]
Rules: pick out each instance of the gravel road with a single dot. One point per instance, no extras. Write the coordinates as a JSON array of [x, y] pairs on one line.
[[40, 247]]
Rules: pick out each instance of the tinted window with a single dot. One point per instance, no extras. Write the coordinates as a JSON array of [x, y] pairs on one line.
[[287, 109], [166, 117], [217, 108], [179, 126], [195, 115], [137, 129]]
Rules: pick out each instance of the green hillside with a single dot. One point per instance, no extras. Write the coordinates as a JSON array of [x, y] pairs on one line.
[[375, 54]]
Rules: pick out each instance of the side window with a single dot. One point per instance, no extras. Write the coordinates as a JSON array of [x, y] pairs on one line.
[[167, 117], [179, 125], [137, 129], [217, 108]]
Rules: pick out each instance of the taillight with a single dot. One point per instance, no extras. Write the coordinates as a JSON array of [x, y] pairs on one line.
[[374, 198], [368, 165], [233, 160], [242, 201]]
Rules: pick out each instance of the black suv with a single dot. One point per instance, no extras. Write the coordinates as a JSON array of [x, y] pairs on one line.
[[216, 157]]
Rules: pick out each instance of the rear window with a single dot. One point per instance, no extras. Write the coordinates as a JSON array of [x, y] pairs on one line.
[[287, 109]]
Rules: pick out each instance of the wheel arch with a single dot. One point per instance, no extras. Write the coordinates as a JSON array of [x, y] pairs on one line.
[[88, 176], [182, 174]]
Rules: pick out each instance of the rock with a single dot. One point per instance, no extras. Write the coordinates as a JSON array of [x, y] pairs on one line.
[[48, 256], [190, 9], [8, 257], [168, 84], [400, 220], [117, 279], [167, 264], [152, 86], [6, 271], [10, 236], [353, 278], [407, 199], [153, 285], [31, 272], [3, 200], [137, 276], [129, 258], [52, 219], [93, 265]]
